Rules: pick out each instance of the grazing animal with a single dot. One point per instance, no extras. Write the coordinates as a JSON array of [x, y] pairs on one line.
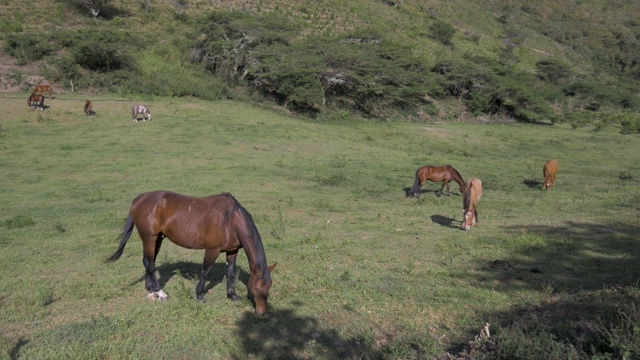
[[88, 108], [470, 199], [217, 223], [36, 100], [42, 89], [550, 171], [444, 174], [140, 109]]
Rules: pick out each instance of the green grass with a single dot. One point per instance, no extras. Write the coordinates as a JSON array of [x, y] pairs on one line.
[[362, 270]]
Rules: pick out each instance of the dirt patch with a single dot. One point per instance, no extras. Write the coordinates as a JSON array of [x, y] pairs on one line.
[[16, 78]]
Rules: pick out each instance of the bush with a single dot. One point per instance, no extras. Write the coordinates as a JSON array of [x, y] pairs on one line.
[[27, 48], [553, 71], [442, 32], [362, 69]]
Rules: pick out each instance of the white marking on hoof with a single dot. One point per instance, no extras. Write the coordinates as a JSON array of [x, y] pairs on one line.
[[158, 295], [162, 295]]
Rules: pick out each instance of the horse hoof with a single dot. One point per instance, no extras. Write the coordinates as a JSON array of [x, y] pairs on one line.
[[233, 297]]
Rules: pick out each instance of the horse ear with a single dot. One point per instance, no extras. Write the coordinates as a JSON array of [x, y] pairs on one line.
[[272, 267]]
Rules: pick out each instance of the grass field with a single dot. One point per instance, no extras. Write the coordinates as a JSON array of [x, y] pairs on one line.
[[363, 271]]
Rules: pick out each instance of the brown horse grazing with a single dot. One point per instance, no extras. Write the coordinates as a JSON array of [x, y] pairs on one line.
[[444, 174], [470, 199], [88, 108], [36, 100], [216, 223], [42, 89], [550, 171]]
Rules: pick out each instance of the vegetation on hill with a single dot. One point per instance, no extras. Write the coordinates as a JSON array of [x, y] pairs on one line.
[[533, 61]]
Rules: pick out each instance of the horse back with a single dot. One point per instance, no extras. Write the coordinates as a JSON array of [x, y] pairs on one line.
[[191, 222], [472, 193]]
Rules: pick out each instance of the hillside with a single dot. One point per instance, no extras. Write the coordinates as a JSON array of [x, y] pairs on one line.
[[533, 61]]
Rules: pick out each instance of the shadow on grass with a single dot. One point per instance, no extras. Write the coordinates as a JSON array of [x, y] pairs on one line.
[[532, 183], [191, 270], [282, 334], [446, 222], [589, 277], [426, 191], [578, 256]]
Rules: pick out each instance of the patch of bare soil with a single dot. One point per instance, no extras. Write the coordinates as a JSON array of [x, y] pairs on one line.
[[16, 78]]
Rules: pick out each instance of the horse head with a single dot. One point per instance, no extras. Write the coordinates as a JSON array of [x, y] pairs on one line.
[[469, 219], [259, 286]]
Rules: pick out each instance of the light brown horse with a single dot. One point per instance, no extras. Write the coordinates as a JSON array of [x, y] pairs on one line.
[[216, 223], [42, 89], [550, 171], [444, 174], [88, 108], [470, 199], [36, 100]]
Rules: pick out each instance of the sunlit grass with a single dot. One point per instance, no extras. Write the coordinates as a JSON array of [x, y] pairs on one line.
[[362, 270]]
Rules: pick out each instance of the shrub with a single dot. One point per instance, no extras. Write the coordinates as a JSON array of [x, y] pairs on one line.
[[27, 48], [442, 32], [553, 71]]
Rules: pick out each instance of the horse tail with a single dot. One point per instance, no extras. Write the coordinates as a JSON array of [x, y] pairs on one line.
[[127, 229], [415, 189]]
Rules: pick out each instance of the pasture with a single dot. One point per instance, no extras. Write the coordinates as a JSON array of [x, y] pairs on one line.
[[363, 271]]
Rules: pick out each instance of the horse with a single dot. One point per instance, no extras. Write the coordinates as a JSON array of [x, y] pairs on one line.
[[36, 100], [88, 108], [42, 89], [216, 223], [140, 109], [550, 171], [470, 199], [444, 174]]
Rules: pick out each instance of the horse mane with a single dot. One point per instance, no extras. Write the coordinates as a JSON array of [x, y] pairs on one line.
[[459, 176], [467, 195], [415, 189], [261, 258]]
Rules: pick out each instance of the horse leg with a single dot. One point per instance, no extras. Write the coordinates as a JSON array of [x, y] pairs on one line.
[[150, 248], [210, 256], [446, 182], [231, 276]]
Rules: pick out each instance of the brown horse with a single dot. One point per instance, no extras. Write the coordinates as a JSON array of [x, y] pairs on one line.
[[36, 100], [444, 174], [216, 223], [470, 199], [550, 171], [42, 89], [88, 108]]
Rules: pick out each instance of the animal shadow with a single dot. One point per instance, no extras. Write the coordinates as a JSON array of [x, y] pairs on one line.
[[444, 221], [42, 107], [423, 191], [191, 270], [532, 184]]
